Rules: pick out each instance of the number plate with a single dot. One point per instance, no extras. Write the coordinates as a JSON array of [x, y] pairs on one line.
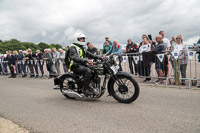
[[115, 68]]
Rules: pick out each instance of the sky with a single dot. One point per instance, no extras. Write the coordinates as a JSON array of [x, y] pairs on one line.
[[56, 21]]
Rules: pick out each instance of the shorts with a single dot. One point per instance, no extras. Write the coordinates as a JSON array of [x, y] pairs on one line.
[[162, 65]]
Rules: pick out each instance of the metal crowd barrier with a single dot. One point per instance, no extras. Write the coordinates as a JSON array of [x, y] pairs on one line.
[[35, 64], [192, 71]]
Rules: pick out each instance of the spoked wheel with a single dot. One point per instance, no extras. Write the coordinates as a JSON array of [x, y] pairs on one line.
[[125, 89], [68, 84]]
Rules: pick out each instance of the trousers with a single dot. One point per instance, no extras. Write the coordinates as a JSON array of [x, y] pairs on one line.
[[85, 71]]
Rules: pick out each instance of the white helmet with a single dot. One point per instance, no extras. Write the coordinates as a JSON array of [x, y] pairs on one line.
[[77, 38]]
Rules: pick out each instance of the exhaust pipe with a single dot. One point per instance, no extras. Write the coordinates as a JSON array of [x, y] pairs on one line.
[[72, 94]]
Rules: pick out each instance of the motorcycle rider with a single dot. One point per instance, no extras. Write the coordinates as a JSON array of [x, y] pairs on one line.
[[78, 61]]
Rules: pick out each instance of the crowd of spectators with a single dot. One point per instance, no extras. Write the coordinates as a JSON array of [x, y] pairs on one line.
[[23, 62], [147, 52]]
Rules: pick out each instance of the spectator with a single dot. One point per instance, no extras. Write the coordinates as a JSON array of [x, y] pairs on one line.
[[131, 48], [168, 46], [55, 60], [31, 59], [107, 39], [61, 57], [141, 43], [16, 66], [53, 70], [25, 62], [22, 65], [106, 48], [173, 40], [165, 40], [197, 48], [48, 58], [11, 64], [116, 50], [3, 65], [160, 48], [146, 47], [91, 48], [181, 48], [40, 61]]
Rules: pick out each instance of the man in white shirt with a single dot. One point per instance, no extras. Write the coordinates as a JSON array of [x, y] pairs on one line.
[[165, 40]]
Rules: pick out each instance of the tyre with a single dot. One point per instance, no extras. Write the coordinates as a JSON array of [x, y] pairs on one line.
[[126, 92], [68, 84]]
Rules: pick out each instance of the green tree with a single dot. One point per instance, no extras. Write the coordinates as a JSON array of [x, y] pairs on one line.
[[15, 44], [42, 46], [30, 45], [57, 46]]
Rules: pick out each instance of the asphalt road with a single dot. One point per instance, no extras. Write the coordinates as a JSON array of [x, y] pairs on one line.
[[33, 104]]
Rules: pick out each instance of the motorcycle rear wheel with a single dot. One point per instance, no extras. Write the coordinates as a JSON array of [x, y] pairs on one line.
[[69, 84]]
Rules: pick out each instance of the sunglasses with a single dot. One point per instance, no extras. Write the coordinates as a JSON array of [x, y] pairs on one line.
[[106, 38], [178, 38]]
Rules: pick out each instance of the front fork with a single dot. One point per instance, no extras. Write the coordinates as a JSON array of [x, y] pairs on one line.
[[119, 82], [113, 78]]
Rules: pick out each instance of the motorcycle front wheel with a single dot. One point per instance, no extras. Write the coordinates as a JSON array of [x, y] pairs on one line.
[[125, 89]]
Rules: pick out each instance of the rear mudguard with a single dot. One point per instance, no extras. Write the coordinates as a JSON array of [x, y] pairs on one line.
[[59, 80], [120, 73]]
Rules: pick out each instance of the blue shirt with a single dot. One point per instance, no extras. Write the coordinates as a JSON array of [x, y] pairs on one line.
[[115, 50]]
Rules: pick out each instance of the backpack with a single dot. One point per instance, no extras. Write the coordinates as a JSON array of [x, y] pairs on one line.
[[67, 59]]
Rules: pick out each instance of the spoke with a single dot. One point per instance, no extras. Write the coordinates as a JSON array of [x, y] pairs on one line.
[[128, 84], [130, 91], [117, 91]]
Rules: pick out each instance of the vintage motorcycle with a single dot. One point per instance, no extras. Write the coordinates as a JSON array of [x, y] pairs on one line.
[[121, 85]]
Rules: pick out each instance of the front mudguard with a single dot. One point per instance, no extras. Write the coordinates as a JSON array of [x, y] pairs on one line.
[[59, 80], [120, 73]]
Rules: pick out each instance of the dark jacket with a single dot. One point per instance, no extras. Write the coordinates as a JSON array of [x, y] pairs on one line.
[[10, 59], [73, 54], [93, 51], [129, 46], [20, 56], [39, 56], [49, 56], [31, 57], [148, 57], [15, 58], [160, 48]]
